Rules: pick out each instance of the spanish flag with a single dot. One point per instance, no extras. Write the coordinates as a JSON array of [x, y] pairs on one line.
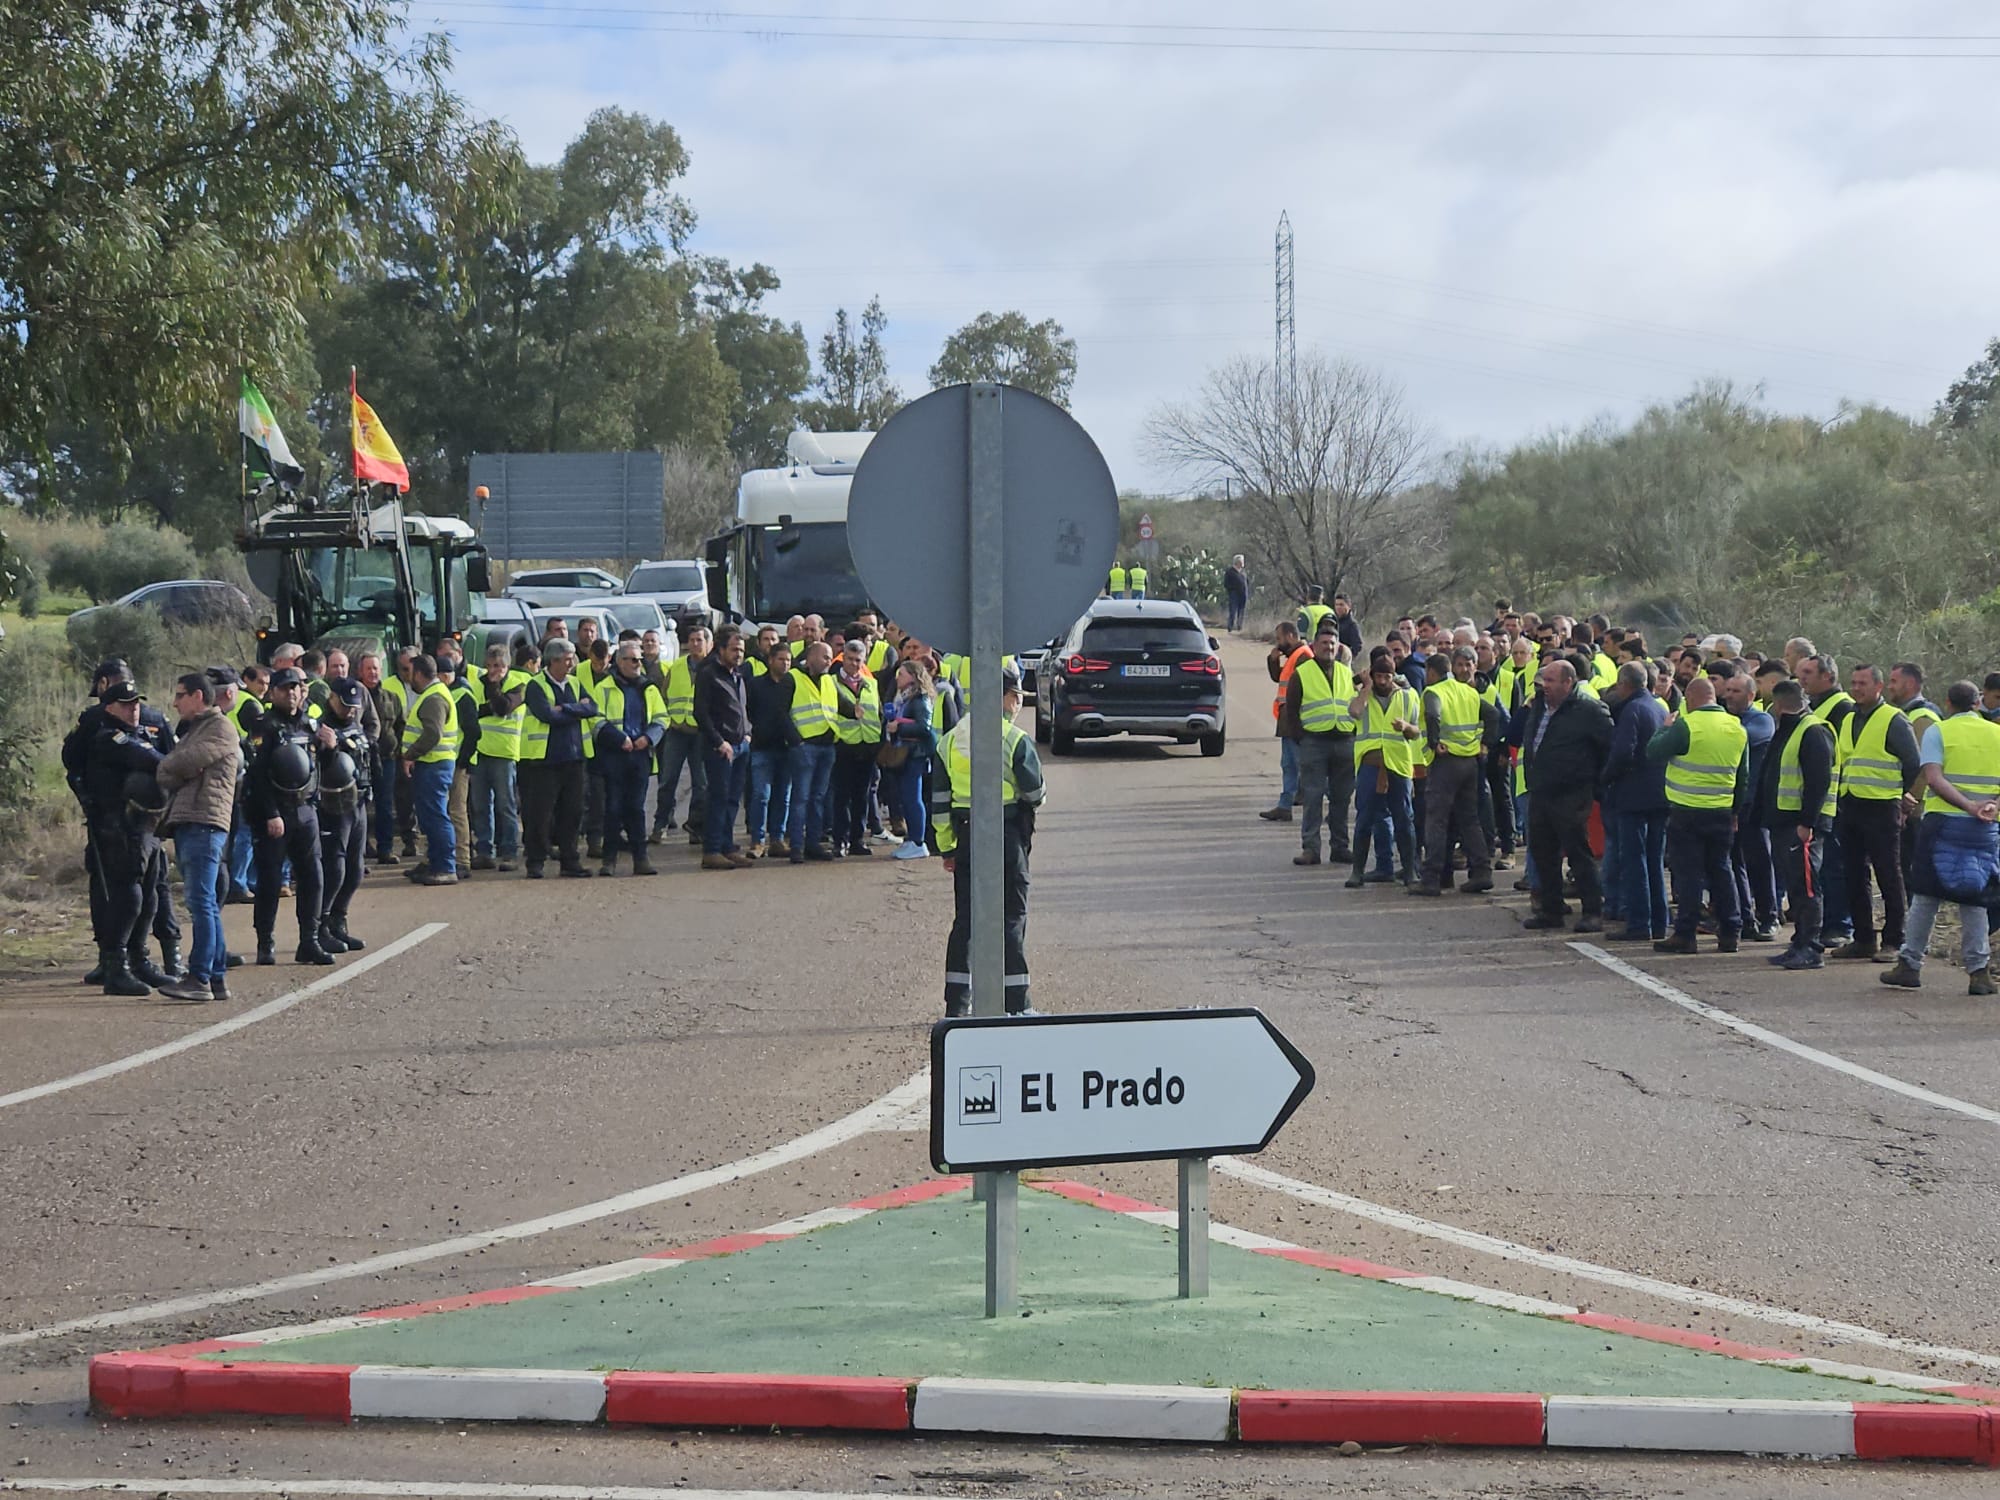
[[376, 457]]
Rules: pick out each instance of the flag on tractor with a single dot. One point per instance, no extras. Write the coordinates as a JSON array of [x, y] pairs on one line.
[[376, 457], [263, 440]]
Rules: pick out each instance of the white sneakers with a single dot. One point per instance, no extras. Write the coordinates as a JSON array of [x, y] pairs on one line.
[[911, 850]]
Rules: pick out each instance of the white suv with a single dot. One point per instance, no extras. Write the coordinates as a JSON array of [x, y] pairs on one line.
[[679, 586], [543, 588]]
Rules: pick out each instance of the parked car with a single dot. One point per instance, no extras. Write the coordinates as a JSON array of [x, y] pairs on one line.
[[183, 601], [1133, 667], [607, 625], [638, 614], [546, 588], [503, 619], [679, 586]]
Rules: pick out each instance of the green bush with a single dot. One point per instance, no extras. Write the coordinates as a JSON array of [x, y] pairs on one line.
[[121, 558], [138, 635], [17, 734]]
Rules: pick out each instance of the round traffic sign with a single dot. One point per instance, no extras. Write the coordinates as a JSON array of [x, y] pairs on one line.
[[1145, 528], [909, 519]]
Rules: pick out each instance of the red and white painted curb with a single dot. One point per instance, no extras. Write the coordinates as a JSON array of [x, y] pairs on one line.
[[175, 1382]]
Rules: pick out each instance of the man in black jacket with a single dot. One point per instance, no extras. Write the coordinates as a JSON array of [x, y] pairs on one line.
[[123, 802], [722, 714], [1565, 743], [1795, 794], [281, 800]]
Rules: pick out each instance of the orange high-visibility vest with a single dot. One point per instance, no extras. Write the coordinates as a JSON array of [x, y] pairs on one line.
[[1304, 653]]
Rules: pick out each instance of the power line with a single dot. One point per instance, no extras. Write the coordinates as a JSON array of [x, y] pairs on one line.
[[772, 32]]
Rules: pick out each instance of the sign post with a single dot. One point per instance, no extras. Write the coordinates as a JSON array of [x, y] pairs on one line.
[[1009, 510], [1056, 1091]]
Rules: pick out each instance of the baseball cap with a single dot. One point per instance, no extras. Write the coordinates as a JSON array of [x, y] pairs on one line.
[[112, 666], [124, 690], [349, 691], [223, 676], [287, 677]]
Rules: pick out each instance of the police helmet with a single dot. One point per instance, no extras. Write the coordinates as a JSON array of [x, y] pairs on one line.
[[143, 794], [336, 771], [291, 767]]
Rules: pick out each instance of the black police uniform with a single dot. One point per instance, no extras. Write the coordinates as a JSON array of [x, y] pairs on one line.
[[343, 830], [154, 730], [264, 798], [124, 803]]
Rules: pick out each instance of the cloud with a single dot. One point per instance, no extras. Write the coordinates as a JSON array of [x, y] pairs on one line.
[[1523, 241]]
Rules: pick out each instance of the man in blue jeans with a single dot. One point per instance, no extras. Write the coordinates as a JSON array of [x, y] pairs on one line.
[[809, 758], [430, 759], [1635, 803], [722, 715], [635, 719]]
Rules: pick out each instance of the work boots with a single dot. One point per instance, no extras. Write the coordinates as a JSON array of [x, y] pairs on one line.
[[267, 950], [142, 968], [1902, 976], [348, 941], [170, 960], [1980, 982], [310, 951], [118, 976]]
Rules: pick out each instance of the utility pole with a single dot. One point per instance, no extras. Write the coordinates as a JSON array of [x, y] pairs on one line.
[[1285, 359]]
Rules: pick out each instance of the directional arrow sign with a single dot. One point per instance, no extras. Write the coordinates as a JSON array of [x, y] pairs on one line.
[[1054, 1091]]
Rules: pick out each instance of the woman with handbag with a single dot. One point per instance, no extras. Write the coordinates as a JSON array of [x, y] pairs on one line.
[[909, 740]]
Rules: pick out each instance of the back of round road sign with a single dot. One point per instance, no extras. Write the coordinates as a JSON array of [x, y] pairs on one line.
[[909, 519]]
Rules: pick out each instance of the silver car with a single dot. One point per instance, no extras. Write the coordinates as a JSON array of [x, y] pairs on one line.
[[546, 588]]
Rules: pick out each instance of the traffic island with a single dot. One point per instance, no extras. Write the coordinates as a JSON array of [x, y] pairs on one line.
[[869, 1317]]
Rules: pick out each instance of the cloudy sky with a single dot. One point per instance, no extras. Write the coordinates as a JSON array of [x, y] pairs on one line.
[[1526, 241]]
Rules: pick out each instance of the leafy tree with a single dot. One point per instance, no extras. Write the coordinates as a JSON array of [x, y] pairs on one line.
[[565, 320], [1006, 347], [181, 180], [1970, 394], [772, 362], [856, 394]]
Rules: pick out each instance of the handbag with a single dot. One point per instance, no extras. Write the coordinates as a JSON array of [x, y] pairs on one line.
[[891, 756]]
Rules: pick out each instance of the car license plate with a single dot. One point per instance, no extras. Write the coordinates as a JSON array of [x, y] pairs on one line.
[[1149, 671]]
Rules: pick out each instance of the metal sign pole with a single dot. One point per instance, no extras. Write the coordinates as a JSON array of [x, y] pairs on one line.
[[986, 534], [1194, 1226]]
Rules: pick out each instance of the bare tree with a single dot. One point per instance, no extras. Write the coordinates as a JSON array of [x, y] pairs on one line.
[[700, 493], [1327, 470]]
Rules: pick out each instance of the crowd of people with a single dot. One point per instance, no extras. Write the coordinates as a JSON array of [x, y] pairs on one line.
[[293, 781], [1727, 790]]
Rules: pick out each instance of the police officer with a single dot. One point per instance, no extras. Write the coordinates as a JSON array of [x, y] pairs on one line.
[[124, 803], [1021, 790], [282, 798], [152, 726], [343, 794]]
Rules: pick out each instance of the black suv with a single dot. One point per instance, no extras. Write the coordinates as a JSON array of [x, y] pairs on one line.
[[1132, 667]]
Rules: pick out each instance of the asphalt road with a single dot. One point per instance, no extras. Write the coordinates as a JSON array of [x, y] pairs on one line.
[[562, 1044]]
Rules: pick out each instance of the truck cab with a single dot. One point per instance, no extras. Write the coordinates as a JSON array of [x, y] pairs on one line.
[[787, 553]]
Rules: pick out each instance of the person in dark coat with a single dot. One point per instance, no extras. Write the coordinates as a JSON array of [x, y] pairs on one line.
[[1565, 742], [1635, 802], [124, 801]]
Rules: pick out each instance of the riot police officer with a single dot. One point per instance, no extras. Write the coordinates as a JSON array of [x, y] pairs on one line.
[[124, 803], [343, 794], [282, 800], [153, 728]]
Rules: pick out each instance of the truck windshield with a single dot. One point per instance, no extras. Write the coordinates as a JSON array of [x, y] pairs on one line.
[[806, 570], [666, 578], [352, 584]]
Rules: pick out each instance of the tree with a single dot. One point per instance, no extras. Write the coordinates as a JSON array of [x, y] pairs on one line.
[[1972, 392], [856, 394], [565, 320], [181, 180], [1327, 473], [1006, 347], [772, 362], [700, 492]]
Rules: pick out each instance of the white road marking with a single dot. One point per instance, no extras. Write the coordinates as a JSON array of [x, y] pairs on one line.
[[868, 1118], [221, 1029], [400, 1489], [1486, 1244], [1782, 1043]]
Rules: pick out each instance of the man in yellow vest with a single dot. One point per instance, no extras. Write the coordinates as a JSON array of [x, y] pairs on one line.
[[1455, 733], [1707, 752], [682, 746], [624, 741], [1797, 795], [1819, 675], [1314, 610], [1876, 751], [1906, 691], [1021, 790], [1136, 580], [1386, 724], [1958, 847], [494, 791], [809, 750], [405, 695], [857, 730], [1115, 584], [554, 751], [430, 759], [1318, 716]]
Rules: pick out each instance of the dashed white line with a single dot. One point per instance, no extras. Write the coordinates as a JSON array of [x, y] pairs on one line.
[[234, 1024], [868, 1118], [1486, 1244], [1782, 1043]]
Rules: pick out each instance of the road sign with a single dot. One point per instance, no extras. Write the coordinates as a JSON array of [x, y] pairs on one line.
[[909, 518], [1051, 1091], [1145, 528]]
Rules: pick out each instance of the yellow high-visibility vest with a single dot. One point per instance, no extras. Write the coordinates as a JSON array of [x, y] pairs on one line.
[[1971, 760], [1325, 698], [813, 711], [1867, 770], [1376, 731], [446, 748], [1458, 717], [1704, 776]]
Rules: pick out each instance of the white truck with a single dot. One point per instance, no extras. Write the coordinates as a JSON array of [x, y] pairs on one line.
[[787, 553]]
